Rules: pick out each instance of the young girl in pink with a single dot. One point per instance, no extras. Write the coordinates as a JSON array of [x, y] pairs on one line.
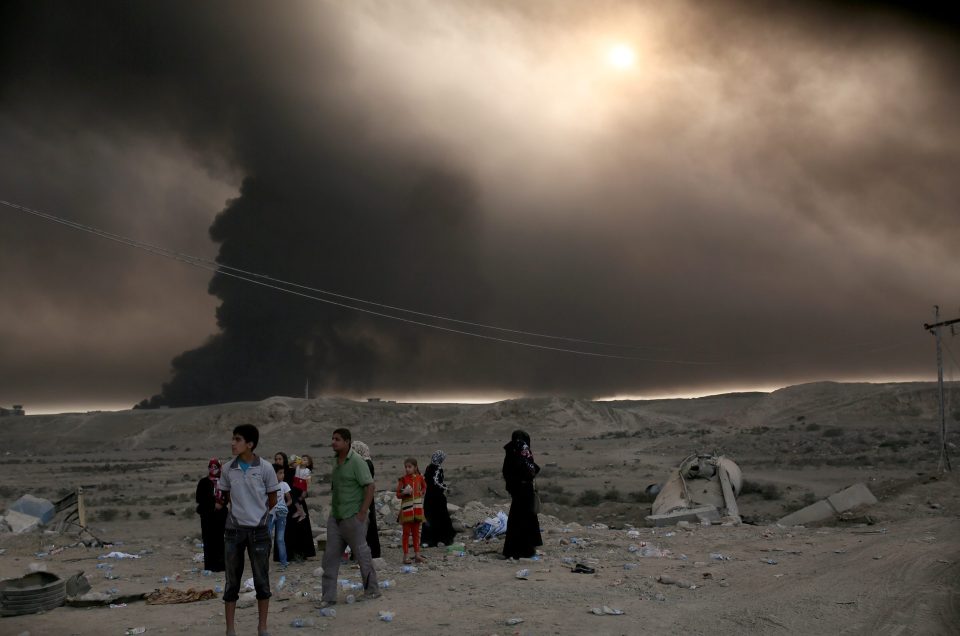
[[410, 489]]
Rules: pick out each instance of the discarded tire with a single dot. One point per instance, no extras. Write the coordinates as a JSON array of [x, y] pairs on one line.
[[36, 592]]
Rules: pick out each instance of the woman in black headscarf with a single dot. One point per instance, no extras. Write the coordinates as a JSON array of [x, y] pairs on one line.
[[519, 470], [438, 528], [373, 533], [211, 506]]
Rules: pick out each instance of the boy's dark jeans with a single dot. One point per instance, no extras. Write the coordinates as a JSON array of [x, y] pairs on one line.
[[256, 541]]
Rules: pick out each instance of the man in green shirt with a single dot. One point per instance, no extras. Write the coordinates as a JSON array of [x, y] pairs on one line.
[[352, 491]]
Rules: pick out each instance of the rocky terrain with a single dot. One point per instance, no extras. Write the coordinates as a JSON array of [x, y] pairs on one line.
[[889, 569]]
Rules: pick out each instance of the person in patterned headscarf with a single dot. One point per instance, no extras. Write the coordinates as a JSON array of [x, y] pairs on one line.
[[213, 516], [373, 534], [519, 470], [438, 527]]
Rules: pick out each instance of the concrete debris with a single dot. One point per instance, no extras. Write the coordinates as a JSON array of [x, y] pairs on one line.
[[829, 508], [702, 490], [20, 522]]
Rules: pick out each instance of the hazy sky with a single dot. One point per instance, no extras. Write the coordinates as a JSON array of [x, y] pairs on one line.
[[766, 196]]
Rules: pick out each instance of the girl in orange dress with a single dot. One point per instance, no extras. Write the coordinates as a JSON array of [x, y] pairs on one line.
[[410, 489]]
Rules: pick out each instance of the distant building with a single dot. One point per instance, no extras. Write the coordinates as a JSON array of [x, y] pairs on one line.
[[373, 399], [16, 410]]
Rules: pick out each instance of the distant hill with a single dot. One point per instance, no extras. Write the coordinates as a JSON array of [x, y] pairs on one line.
[[294, 419]]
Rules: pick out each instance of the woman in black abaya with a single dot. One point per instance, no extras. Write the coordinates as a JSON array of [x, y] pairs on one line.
[[213, 517], [438, 528], [519, 470]]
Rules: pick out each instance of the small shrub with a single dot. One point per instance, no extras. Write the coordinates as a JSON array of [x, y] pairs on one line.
[[171, 512], [144, 514], [589, 497], [640, 496], [813, 426], [766, 490], [107, 514], [612, 495], [833, 432]]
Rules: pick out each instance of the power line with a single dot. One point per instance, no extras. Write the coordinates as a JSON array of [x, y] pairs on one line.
[[259, 279]]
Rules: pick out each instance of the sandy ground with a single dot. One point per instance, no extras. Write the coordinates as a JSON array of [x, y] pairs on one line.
[[889, 569]]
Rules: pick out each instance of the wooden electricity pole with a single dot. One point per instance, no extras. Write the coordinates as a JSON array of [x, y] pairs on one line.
[[935, 329]]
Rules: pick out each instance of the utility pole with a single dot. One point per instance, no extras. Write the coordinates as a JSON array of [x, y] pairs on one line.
[[306, 389], [934, 328]]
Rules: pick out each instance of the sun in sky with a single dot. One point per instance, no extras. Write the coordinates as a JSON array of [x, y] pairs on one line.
[[621, 56]]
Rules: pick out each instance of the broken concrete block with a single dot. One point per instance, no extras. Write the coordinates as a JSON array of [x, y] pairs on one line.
[[848, 498], [20, 522], [818, 511], [686, 514]]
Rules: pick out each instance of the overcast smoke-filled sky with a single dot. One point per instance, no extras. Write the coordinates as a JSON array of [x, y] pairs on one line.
[[766, 195]]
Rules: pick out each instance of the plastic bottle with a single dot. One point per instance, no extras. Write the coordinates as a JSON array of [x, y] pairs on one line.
[[281, 582], [385, 616], [328, 612], [408, 569], [301, 622], [205, 573], [351, 599], [164, 579], [387, 584]]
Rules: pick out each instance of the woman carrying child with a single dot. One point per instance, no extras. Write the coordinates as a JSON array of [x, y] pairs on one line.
[[410, 489], [299, 537]]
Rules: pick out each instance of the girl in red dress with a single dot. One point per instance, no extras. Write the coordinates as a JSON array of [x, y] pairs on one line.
[[410, 489]]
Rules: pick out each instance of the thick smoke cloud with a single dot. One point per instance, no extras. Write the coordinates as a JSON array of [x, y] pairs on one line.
[[767, 198]]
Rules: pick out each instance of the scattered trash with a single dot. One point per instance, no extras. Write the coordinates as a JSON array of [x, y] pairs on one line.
[[633, 533], [329, 612], [513, 621], [135, 630], [247, 585], [523, 574], [717, 556], [652, 551], [580, 568], [457, 549], [605, 610], [768, 561], [351, 599], [119, 555], [630, 566], [408, 569], [117, 605], [302, 622], [492, 527], [387, 584], [385, 615], [171, 596]]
